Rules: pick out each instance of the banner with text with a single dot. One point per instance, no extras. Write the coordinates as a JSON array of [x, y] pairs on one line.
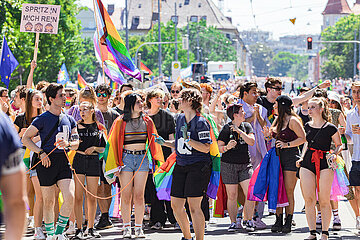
[[40, 18]]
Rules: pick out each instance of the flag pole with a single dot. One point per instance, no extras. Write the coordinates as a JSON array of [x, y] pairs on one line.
[[98, 38], [36, 46]]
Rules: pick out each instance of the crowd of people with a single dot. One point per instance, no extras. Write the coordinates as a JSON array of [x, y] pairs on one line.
[[61, 141]]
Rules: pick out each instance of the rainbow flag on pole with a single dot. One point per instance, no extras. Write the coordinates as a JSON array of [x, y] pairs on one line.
[[145, 68], [81, 81], [115, 45]]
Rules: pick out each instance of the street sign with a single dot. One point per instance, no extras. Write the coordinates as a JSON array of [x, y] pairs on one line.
[[175, 71], [358, 66]]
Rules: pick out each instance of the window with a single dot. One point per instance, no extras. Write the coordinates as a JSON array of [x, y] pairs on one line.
[[193, 19], [187, 2], [203, 18], [180, 5], [136, 21], [139, 5], [174, 19]]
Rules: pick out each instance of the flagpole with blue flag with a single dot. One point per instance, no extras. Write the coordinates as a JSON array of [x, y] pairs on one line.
[[8, 63]]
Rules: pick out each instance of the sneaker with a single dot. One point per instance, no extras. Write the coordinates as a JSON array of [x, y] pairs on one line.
[[79, 234], [60, 237], [239, 223], [259, 224], [139, 233], [39, 234], [232, 227], [293, 223], [176, 226], [318, 222], [358, 223], [71, 229], [249, 226], [127, 232], [91, 232], [336, 224], [157, 226], [104, 223]]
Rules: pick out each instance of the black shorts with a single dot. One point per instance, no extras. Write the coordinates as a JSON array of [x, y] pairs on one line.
[[306, 163], [88, 165], [191, 180], [288, 158], [354, 174], [58, 170]]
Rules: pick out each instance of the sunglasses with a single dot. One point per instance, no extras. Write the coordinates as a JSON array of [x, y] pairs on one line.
[[101, 94], [175, 91], [278, 88]]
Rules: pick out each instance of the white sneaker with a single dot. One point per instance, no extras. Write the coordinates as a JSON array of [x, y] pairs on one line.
[[39, 234], [127, 232], [259, 224], [71, 229], [139, 233], [61, 237], [358, 223], [239, 223]]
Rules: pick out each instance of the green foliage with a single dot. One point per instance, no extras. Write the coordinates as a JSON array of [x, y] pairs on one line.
[[54, 49], [282, 62], [340, 56], [261, 56]]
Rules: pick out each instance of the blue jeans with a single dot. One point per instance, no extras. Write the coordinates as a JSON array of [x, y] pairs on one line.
[[132, 163]]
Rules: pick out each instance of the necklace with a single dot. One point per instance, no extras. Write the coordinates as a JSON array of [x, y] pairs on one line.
[[133, 120]]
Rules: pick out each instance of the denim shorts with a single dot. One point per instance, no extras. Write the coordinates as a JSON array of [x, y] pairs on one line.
[[33, 173], [132, 163]]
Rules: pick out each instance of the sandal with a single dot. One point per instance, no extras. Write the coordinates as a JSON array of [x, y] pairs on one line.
[[312, 235]]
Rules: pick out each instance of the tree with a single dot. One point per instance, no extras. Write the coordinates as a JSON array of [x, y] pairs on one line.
[[54, 49], [261, 56], [282, 62], [340, 56], [299, 70]]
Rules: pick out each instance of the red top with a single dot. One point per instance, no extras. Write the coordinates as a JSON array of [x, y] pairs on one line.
[[286, 135]]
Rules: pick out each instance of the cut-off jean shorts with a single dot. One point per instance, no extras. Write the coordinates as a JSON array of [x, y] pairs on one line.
[[132, 163]]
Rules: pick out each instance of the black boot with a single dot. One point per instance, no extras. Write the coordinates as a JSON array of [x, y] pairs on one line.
[[287, 225], [277, 227]]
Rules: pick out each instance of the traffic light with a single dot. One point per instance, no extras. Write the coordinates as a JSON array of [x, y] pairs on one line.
[[309, 43], [203, 79]]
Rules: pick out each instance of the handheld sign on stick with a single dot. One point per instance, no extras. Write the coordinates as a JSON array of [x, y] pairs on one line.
[[39, 18]]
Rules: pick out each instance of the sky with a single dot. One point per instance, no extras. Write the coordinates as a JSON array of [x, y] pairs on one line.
[[270, 15]]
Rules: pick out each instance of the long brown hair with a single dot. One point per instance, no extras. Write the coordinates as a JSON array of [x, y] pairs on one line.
[[322, 103], [283, 111], [29, 107]]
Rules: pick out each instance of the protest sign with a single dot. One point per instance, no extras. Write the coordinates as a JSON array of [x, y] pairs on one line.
[[40, 18]]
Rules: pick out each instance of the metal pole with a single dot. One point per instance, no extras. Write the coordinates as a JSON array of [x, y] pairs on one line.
[[126, 24], [188, 49], [198, 45], [149, 43], [176, 46], [354, 54], [359, 56], [159, 33]]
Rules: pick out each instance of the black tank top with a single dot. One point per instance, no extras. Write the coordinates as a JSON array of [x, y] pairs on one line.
[[90, 136]]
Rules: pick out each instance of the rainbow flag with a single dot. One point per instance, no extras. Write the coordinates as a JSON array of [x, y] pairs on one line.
[[163, 177], [81, 81], [110, 67], [114, 85], [26, 158], [63, 75], [145, 68], [115, 45]]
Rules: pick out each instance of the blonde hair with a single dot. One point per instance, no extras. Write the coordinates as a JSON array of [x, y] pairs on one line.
[[322, 103], [89, 94]]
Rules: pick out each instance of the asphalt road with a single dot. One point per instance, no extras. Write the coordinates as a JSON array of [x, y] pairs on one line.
[[219, 230]]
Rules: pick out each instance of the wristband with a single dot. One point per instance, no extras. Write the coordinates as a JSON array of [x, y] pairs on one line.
[[187, 140]]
